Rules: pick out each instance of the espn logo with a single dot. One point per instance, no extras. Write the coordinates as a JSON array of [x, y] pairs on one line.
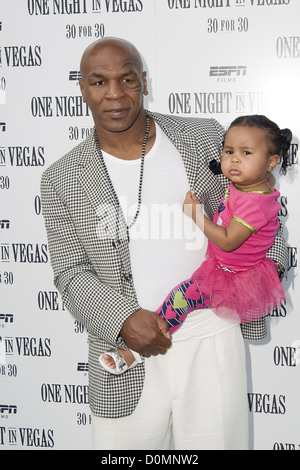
[[228, 71]]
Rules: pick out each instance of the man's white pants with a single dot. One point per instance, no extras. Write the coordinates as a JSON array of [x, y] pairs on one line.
[[195, 395]]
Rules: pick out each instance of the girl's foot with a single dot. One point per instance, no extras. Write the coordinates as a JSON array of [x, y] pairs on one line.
[[126, 354], [118, 361]]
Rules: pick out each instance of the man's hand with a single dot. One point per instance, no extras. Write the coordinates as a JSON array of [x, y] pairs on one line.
[[146, 333]]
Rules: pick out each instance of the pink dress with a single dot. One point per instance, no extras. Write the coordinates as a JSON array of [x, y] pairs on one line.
[[244, 284]]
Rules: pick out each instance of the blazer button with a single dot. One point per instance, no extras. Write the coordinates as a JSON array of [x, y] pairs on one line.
[[115, 243]]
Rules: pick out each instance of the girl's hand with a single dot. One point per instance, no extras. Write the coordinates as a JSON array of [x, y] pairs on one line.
[[191, 205]]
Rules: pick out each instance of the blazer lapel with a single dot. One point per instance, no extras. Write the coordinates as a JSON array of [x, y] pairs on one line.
[[185, 143], [96, 183]]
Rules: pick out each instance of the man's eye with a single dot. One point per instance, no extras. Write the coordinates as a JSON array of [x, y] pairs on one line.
[[100, 82]]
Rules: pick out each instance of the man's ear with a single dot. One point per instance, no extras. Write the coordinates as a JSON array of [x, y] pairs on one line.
[[81, 84], [144, 78]]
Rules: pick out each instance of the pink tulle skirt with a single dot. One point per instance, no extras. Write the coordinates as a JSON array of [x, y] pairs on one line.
[[242, 296]]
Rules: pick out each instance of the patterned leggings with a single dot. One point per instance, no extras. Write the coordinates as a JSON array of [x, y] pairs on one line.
[[182, 299]]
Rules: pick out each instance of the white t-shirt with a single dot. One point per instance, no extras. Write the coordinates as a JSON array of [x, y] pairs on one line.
[[166, 247]]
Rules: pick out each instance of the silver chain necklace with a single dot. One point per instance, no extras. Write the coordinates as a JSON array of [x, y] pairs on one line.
[[141, 177]]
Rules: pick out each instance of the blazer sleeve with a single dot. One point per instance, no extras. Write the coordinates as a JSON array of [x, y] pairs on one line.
[[100, 308], [279, 252]]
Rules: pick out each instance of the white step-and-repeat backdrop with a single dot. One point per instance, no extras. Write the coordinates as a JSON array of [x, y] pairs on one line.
[[204, 58]]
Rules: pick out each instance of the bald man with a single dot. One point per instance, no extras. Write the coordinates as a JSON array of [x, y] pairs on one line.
[[119, 242]]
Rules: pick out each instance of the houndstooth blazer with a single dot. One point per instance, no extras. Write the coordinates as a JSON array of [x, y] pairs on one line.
[[89, 249]]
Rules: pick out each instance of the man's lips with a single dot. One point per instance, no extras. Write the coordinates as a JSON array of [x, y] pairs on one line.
[[116, 111]]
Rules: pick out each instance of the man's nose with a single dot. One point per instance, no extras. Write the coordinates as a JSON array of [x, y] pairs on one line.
[[114, 90]]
